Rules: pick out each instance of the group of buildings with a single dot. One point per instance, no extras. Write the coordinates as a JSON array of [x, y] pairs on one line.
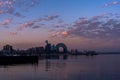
[[9, 51], [48, 49]]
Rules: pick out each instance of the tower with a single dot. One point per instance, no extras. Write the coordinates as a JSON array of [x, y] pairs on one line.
[[47, 47]]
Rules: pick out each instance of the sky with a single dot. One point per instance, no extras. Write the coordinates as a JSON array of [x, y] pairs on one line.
[[80, 24]]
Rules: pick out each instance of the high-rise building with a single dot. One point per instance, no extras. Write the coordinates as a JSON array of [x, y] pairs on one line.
[[7, 49]]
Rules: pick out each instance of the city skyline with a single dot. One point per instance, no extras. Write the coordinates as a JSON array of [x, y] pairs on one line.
[[80, 24]]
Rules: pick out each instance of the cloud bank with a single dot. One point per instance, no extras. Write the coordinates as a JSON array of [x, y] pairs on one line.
[[103, 26]]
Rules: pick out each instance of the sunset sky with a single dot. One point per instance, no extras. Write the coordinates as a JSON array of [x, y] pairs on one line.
[[80, 24]]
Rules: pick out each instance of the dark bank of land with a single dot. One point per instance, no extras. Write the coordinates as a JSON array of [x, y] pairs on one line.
[[105, 53], [30, 59], [13, 60], [8, 55]]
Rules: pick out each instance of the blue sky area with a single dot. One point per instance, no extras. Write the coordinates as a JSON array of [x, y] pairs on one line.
[[80, 24]]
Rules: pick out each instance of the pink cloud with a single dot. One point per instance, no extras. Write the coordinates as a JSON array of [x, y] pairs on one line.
[[111, 3], [10, 6], [13, 33], [55, 34], [60, 33], [36, 23], [6, 21], [64, 33], [10, 10], [115, 2], [25, 25], [101, 27], [1, 11]]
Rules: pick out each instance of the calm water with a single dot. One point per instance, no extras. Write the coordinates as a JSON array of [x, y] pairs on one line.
[[100, 67]]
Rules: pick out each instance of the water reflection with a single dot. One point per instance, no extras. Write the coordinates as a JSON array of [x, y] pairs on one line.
[[35, 62], [101, 67]]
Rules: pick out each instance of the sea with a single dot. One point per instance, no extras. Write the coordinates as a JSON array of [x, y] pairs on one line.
[[72, 67]]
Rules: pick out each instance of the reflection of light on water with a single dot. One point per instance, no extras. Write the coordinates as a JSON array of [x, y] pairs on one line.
[[47, 65], [73, 68]]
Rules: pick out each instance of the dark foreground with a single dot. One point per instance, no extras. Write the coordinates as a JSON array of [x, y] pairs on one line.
[[10, 60], [99, 67]]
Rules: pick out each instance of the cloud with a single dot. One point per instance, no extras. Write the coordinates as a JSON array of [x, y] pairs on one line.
[[59, 34], [64, 33], [103, 26], [106, 4], [18, 14], [25, 25], [52, 17], [35, 27], [60, 25], [115, 2], [1, 11], [36, 23], [47, 18], [26, 4], [12, 6], [13, 33], [55, 34], [6, 22], [96, 28], [7, 6], [111, 3]]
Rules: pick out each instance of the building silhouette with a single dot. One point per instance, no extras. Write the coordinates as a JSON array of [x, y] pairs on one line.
[[55, 48], [7, 49], [47, 47], [35, 51]]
